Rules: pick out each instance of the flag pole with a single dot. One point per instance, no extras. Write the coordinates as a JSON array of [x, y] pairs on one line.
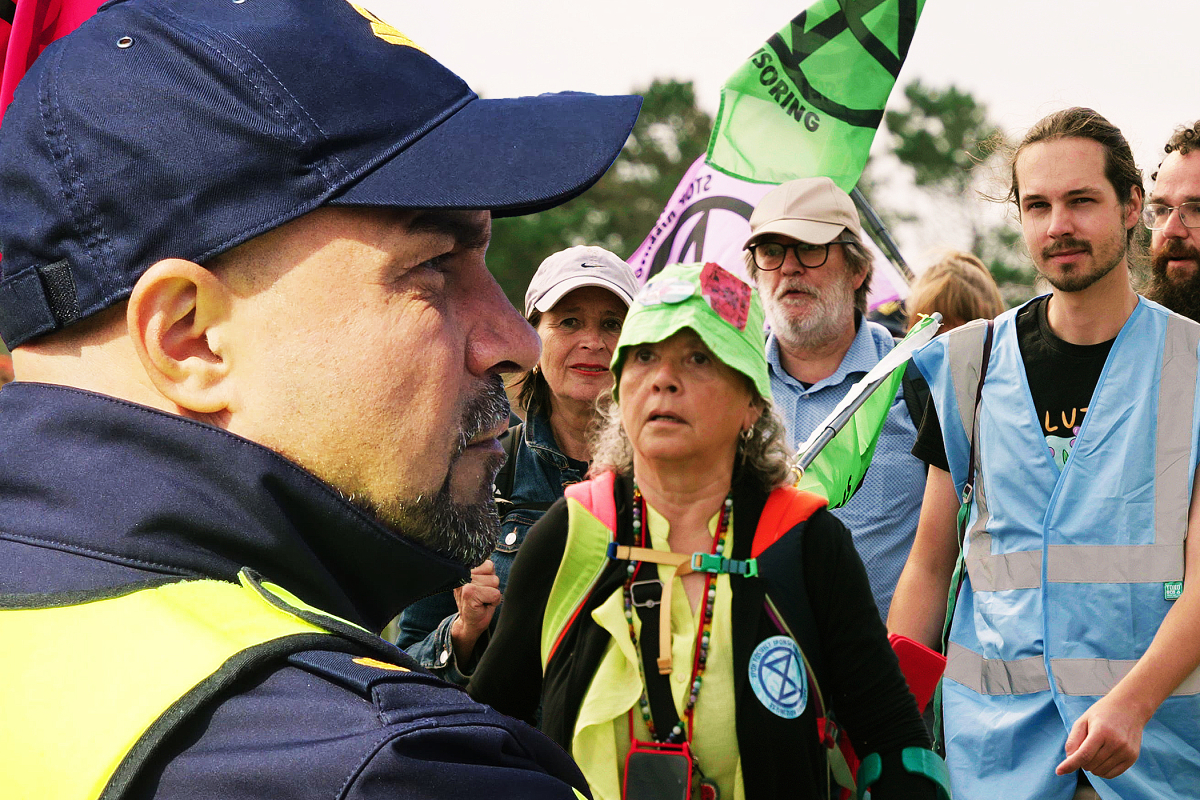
[[834, 425], [881, 235], [921, 333]]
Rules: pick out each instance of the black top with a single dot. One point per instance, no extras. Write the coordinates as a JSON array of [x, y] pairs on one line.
[[815, 578], [1062, 378]]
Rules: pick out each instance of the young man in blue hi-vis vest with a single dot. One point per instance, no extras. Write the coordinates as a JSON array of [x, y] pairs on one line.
[[1075, 636], [258, 354]]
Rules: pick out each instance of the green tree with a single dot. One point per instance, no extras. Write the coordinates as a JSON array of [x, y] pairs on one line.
[[623, 206], [952, 147]]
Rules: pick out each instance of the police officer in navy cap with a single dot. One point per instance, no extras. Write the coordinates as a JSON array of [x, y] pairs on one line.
[[258, 354]]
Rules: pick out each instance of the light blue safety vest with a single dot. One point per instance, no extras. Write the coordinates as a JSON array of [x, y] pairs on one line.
[[1070, 574]]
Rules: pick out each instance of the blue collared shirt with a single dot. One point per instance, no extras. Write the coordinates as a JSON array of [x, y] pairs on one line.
[[882, 516]]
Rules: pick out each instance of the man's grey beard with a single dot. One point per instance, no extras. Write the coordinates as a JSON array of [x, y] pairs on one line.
[[830, 314], [465, 532]]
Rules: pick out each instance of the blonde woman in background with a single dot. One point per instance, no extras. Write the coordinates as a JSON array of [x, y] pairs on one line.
[[960, 287]]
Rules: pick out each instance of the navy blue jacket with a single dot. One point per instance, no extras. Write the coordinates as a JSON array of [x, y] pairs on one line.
[[97, 493]]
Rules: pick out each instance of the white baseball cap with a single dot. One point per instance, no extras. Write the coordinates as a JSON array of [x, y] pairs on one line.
[[582, 265]]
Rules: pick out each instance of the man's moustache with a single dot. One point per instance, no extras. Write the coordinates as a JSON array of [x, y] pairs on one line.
[[484, 412], [1065, 246], [1174, 249], [782, 290]]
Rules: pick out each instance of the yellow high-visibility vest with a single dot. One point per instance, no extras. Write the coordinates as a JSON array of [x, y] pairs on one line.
[[86, 683]]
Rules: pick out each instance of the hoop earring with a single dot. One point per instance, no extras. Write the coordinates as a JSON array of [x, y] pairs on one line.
[[747, 434]]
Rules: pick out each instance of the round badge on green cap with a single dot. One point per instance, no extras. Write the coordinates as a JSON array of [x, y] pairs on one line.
[[720, 307]]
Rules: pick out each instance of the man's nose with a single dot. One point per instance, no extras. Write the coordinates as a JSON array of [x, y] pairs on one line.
[[1174, 227], [1061, 222], [501, 340]]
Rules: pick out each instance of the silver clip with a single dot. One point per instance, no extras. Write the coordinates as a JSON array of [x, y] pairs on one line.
[[648, 603]]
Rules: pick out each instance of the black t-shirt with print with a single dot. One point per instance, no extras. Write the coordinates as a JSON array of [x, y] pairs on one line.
[[1062, 377]]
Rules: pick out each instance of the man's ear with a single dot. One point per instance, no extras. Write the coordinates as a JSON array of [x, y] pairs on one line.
[[175, 317], [1133, 210]]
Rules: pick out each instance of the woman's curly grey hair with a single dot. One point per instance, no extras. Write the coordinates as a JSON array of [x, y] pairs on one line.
[[765, 454]]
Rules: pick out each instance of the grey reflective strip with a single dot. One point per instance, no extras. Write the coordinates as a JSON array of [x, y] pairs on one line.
[[964, 351], [993, 676], [1176, 401], [1146, 563], [996, 572], [1082, 677], [1094, 677]]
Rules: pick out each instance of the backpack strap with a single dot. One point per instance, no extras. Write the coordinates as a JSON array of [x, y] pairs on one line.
[[597, 497], [506, 477], [584, 559], [786, 508]]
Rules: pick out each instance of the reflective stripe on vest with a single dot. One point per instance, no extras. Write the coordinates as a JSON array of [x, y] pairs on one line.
[[1150, 563], [97, 676], [1082, 677]]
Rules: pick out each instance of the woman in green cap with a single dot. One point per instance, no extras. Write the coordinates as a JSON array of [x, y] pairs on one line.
[[684, 617]]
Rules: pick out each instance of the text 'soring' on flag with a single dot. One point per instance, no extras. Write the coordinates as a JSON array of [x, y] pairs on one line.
[[809, 101]]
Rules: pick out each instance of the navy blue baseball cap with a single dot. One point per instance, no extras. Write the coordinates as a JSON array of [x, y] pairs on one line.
[[182, 128]]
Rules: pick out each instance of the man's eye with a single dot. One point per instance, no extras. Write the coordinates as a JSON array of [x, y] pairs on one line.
[[771, 250], [699, 358], [613, 325], [805, 247], [438, 264]]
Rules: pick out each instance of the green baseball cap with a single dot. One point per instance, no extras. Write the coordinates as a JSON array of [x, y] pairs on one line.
[[720, 307]]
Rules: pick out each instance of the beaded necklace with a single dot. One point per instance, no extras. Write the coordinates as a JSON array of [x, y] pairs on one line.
[[700, 657]]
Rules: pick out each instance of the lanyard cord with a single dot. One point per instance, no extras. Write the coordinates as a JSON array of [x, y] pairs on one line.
[[657, 682]]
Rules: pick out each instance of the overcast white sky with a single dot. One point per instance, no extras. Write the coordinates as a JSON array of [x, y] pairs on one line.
[[1134, 62]]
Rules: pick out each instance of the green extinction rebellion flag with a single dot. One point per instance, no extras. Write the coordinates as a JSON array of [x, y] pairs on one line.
[[809, 101], [836, 456]]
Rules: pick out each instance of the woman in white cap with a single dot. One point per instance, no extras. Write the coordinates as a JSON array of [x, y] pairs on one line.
[[577, 302]]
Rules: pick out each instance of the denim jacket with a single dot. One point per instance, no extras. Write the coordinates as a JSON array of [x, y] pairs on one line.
[[540, 474]]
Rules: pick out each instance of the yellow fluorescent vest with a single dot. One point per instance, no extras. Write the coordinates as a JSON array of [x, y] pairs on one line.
[[85, 683]]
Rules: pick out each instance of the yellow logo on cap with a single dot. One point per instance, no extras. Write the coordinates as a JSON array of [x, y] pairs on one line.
[[385, 31], [371, 662]]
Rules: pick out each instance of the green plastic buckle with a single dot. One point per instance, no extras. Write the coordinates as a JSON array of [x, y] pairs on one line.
[[915, 760], [868, 772], [919, 761], [706, 562]]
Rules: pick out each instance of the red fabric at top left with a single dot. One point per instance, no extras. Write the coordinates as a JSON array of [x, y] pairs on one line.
[[35, 24]]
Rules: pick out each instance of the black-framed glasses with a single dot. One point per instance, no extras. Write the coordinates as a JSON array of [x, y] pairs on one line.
[[770, 255], [1155, 215]]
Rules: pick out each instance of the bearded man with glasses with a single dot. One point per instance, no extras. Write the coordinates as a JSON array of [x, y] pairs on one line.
[[1173, 216], [806, 256]]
